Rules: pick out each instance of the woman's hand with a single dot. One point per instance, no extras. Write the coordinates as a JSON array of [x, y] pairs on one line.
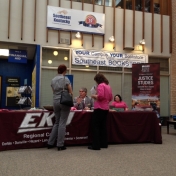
[[94, 96]]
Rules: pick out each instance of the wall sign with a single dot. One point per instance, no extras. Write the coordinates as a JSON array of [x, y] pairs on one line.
[[13, 81], [75, 20], [17, 56], [146, 83], [109, 59]]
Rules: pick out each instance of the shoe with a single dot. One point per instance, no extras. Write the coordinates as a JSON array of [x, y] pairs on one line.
[[61, 148], [91, 148], [50, 146]]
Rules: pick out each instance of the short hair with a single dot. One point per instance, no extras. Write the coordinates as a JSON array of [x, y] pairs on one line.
[[61, 68], [100, 78], [84, 89], [118, 96]]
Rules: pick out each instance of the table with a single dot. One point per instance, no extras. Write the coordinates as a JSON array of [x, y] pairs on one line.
[[31, 129], [171, 121]]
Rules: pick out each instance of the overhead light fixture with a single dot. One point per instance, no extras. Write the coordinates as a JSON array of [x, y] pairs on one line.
[[4, 52], [111, 39], [65, 58], [78, 35], [50, 61], [55, 53], [142, 42], [87, 66]]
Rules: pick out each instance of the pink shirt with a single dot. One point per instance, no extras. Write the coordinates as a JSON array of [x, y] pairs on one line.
[[120, 104], [104, 93]]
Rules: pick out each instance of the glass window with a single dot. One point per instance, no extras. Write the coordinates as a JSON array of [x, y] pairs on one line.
[[138, 5], [119, 3], [147, 5], [156, 8], [129, 4], [54, 57]]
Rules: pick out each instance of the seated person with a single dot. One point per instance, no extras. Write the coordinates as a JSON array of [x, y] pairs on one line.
[[136, 104], [118, 103], [83, 101]]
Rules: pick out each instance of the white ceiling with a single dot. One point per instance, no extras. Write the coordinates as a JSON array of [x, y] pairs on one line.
[[18, 46]]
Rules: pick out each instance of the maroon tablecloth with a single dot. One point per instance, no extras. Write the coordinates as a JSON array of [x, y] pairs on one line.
[[28, 129]]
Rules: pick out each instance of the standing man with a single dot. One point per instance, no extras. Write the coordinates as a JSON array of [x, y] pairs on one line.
[[83, 101]]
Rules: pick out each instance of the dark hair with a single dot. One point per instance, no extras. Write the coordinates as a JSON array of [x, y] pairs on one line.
[[118, 96], [61, 68], [100, 78]]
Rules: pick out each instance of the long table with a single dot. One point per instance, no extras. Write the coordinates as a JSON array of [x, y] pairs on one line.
[[31, 129]]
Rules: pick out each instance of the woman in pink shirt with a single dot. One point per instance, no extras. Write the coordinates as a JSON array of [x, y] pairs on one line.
[[118, 103], [101, 109]]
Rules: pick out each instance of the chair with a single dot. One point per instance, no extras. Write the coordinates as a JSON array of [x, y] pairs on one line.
[[172, 120]]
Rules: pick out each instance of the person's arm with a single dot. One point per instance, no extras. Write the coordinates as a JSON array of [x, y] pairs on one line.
[[52, 89], [70, 89], [126, 107]]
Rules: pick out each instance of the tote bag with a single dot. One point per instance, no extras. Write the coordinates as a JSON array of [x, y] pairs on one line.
[[66, 98]]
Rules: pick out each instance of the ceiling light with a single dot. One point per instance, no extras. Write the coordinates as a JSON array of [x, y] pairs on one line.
[[87, 66], [111, 39], [50, 61], [4, 52], [65, 58], [55, 53], [78, 35], [142, 42]]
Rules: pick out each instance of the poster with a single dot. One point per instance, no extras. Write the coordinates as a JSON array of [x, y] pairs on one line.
[[146, 84]]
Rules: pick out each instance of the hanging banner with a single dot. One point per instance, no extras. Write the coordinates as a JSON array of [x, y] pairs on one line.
[[109, 59], [75, 20], [146, 84], [17, 56]]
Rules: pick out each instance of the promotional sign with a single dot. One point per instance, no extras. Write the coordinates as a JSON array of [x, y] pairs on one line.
[[109, 59], [13, 81], [75, 20], [146, 84], [17, 56], [70, 77], [30, 129]]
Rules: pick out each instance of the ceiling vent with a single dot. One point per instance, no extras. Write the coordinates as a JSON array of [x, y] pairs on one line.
[[65, 41]]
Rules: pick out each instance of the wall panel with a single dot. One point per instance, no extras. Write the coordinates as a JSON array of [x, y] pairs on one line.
[[166, 35], [119, 29], [15, 22], [129, 28], [4, 6], [28, 21], [157, 34]]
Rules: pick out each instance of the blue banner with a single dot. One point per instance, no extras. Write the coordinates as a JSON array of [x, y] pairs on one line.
[[17, 56], [70, 77]]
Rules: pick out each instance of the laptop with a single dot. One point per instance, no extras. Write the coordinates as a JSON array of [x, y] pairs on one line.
[[116, 109]]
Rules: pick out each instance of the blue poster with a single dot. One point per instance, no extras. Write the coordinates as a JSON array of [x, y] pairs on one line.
[[70, 77], [17, 56]]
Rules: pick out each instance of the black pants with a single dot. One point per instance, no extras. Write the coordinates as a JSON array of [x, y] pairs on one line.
[[99, 130]]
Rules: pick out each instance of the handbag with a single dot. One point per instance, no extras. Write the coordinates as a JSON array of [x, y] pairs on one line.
[[66, 98]]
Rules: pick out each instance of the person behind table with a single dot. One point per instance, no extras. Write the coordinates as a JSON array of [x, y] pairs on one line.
[[135, 105], [101, 108], [118, 103], [83, 101], [61, 111]]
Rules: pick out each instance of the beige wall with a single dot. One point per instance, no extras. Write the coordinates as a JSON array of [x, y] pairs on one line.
[[28, 27]]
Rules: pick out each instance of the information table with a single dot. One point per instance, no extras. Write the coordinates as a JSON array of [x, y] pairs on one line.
[[31, 129]]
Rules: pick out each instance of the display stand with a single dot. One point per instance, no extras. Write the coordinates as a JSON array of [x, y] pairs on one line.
[[25, 99]]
